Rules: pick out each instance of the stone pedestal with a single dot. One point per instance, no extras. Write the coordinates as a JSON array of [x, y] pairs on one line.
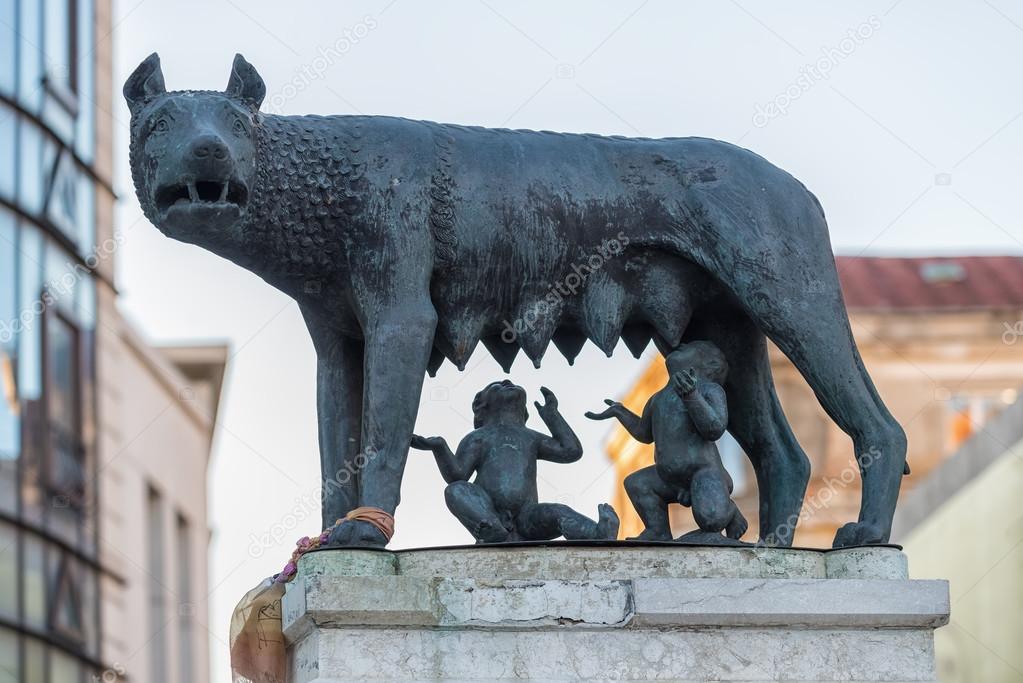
[[600, 613]]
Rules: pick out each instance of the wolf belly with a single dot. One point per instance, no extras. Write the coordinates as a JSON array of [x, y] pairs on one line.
[[549, 237]]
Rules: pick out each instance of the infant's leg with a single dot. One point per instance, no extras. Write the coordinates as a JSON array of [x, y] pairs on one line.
[[712, 507], [475, 510], [544, 521], [650, 496], [738, 525]]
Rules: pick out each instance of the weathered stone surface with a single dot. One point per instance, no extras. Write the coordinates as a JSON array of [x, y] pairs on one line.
[[521, 603], [602, 562], [629, 655], [790, 602], [358, 601], [349, 563], [611, 614], [866, 563]]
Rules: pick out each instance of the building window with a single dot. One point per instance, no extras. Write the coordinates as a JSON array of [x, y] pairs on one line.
[[66, 615], [34, 582], [28, 365], [8, 572], [67, 453], [30, 168], [30, 57], [8, 143], [35, 661], [10, 428], [62, 194], [157, 603], [185, 608], [10, 661], [85, 133], [59, 46], [8, 46]]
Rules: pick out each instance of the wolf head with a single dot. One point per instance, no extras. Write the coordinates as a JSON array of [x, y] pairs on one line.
[[193, 153]]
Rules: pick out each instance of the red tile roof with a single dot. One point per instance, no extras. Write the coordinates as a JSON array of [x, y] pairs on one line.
[[957, 282]]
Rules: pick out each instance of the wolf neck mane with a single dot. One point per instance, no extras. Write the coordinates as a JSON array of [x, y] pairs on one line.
[[304, 190]]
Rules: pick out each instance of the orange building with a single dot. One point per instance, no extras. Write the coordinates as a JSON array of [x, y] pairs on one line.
[[943, 340]]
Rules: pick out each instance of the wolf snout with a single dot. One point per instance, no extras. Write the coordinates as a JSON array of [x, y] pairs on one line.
[[208, 146]]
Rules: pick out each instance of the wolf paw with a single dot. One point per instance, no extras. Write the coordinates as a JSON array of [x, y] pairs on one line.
[[858, 533], [356, 534]]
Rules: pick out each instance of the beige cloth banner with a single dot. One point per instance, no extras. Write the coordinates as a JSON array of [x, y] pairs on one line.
[[257, 643], [258, 654]]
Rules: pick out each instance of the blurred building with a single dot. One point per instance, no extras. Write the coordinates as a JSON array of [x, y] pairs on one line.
[[104, 440], [942, 339], [964, 523]]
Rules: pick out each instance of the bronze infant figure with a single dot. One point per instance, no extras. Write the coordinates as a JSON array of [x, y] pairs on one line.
[[683, 420], [501, 504]]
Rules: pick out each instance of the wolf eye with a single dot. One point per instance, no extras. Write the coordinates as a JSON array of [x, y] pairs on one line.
[[239, 127], [161, 126]]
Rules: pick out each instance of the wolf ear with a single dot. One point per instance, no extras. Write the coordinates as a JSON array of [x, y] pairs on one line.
[[245, 84], [145, 82]]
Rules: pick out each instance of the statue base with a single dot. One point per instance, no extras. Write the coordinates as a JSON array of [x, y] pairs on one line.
[[599, 612]]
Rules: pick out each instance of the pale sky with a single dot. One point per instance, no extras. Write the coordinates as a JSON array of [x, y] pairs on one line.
[[901, 116]]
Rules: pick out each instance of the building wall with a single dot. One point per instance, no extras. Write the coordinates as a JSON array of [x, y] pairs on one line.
[[975, 540], [943, 375], [154, 442]]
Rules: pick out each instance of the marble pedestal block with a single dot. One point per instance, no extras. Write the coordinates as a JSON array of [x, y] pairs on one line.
[[600, 613]]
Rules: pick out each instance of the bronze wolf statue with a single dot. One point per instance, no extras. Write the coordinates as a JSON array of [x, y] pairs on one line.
[[408, 242]]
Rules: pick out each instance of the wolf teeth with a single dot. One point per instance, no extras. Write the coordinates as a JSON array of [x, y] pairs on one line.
[[223, 193], [193, 193]]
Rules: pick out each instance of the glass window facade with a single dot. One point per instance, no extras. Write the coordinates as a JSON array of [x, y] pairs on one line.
[[49, 572], [48, 114], [49, 569]]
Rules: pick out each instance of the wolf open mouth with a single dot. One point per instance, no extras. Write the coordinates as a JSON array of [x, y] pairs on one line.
[[202, 193]]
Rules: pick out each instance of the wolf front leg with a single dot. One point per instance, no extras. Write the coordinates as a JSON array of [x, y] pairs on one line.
[[397, 349]]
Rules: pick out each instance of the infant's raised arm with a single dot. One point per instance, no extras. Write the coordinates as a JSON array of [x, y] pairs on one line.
[[708, 409]]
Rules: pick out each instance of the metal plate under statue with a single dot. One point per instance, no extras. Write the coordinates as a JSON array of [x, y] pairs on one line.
[[414, 241]]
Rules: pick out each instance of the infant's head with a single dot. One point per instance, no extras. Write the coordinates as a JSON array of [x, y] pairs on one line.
[[705, 358], [499, 398]]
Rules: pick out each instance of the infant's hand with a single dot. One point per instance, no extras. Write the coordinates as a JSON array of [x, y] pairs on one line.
[[612, 411], [684, 381], [427, 443], [550, 404]]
